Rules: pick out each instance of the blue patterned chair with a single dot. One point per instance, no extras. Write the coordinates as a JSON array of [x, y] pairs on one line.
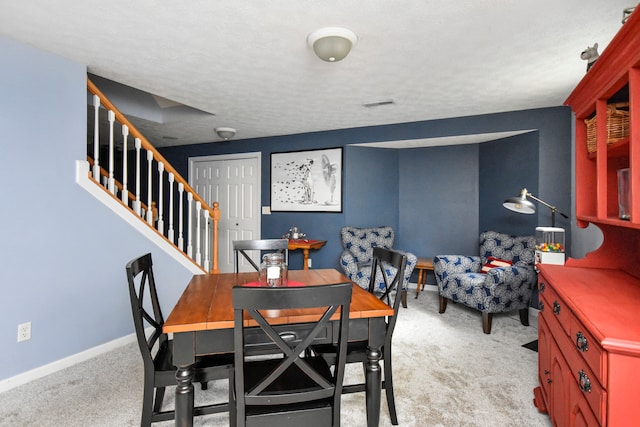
[[487, 282], [357, 256]]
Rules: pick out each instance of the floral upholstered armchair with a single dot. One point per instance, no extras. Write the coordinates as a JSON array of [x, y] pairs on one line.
[[499, 280], [357, 255]]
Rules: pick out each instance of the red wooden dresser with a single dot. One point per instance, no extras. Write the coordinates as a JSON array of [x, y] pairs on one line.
[[589, 326]]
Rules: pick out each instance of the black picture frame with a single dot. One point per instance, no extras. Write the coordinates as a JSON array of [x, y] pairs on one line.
[[307, 181]]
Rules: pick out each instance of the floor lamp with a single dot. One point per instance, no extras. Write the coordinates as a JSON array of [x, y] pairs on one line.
[[520, 204]]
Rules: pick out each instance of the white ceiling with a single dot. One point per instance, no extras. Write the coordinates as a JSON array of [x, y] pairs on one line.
[[245, 63]]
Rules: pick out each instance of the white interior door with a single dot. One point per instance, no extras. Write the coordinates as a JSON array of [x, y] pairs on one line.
[[234, 182]]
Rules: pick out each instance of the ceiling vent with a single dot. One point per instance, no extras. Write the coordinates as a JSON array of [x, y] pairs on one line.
[[379, 103]]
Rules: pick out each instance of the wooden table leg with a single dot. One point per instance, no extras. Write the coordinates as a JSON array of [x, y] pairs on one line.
[[305, 252], [184, 397], [184, 359], [421, 276], [423, 265], [373, 386]]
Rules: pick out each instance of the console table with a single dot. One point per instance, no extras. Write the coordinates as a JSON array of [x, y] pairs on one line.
[[305, 245]]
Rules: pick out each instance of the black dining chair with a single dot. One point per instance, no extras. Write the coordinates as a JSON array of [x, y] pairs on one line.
[[386, 265], [289, 389], [240, 247], [159, 371]]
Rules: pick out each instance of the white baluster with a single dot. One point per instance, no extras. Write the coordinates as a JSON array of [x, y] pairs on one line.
[[206, 265], [180, 217], [112, 182], [160, 224], [125, 190], [96, 138], [198, 253], [149, 198], [170, 231], [189, 226], [137, 205]]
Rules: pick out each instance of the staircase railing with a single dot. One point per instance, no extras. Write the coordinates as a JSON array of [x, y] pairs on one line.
[[192, 225]]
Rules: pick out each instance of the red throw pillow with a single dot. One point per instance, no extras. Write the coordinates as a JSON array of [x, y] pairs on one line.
[[493, 262]]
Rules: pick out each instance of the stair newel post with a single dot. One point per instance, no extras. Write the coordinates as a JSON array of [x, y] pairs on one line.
[[96, 138], [206, 265], [111, 182], [170, 231], [149, 188], [160, 224], [198, 250], [125, 190], [180, 216], [189, 226], [216, 220], [136, 203]]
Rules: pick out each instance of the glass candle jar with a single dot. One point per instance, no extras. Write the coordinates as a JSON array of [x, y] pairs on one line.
[[273, 270]]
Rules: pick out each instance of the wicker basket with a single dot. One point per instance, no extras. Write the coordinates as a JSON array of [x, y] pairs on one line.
[[617, 125]]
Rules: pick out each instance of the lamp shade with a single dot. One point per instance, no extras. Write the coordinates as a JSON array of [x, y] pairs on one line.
[[332, 44], [520, 204]]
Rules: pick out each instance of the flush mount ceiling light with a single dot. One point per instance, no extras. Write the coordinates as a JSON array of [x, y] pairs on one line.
[[332, 44], [225, 133]]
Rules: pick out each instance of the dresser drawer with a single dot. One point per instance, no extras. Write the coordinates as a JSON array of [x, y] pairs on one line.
[[589, 348], [580, 413], [554, 307], [586, 381]]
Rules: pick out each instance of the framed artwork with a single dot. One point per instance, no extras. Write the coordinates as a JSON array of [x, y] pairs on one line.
[[307, 181]]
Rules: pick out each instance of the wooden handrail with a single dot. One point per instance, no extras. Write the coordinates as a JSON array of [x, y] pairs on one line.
[[213, 212], [146, 144]]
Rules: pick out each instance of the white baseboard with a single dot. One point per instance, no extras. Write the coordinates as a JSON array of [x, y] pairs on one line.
[[58, 365]]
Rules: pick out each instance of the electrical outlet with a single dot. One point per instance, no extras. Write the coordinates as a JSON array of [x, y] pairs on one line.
[[309, 262], [24, 331]]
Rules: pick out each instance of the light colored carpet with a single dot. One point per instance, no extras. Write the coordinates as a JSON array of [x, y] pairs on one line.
[[446, 373]]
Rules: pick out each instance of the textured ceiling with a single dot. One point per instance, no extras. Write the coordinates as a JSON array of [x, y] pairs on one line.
[[246, 64]]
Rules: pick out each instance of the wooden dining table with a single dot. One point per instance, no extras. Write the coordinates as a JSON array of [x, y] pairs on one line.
[[202, 323]]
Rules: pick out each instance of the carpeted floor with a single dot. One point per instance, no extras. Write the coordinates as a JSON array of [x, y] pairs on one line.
[[446, 373]]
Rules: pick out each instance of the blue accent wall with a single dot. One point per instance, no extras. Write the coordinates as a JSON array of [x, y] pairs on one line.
[[508, 165], [438, 199], [372, 191]]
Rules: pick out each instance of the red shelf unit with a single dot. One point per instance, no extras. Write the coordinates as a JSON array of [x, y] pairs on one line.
[[589, 326]]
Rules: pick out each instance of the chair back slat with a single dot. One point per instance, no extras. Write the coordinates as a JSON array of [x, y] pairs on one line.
[[390, 265], [240, 247], [145, 306], [293, 376]]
